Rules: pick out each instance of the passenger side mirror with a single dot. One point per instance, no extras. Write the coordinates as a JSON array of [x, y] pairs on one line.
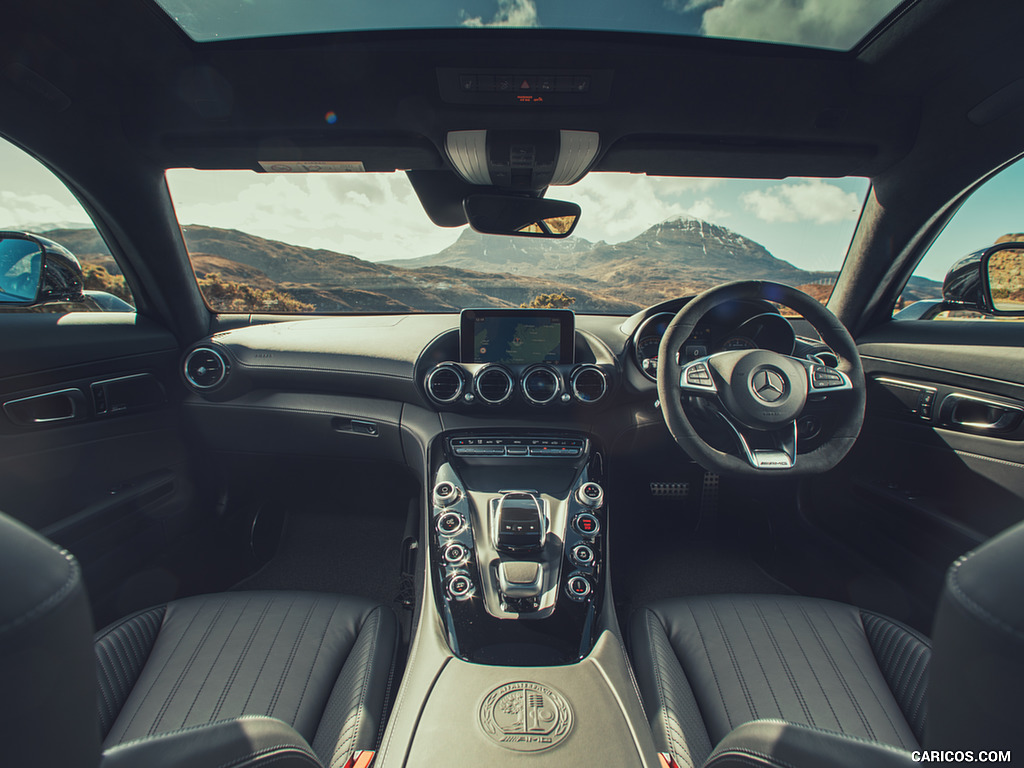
[[35, 270], [521, 216], [1003, 270], [989, 281]]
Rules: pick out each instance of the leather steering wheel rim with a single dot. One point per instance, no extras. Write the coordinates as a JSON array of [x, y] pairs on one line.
[[832, 332]]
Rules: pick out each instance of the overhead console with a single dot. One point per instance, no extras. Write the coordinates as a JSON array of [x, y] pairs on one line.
[[517, 356]]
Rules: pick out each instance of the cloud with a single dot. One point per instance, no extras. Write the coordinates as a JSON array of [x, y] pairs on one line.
[[686, 6], [620, 206], [826, 23], [39, 211], [510, 13], [371, 216], [812, 200]]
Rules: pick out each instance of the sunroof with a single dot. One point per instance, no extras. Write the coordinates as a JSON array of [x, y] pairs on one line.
[[833, 24]]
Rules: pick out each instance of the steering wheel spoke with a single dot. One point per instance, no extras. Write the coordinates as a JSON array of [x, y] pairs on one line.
[[766, 450], [696, 378]]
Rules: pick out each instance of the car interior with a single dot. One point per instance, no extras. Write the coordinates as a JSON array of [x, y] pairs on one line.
[[723, 520]]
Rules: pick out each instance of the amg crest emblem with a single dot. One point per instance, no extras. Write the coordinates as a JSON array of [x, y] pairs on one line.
[[525, 716]]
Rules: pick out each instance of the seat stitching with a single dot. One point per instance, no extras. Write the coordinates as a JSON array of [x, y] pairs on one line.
[[266, 655], [810, 667], [711, 666], [757, 657], [836, 669], [744, 688], [187, 668], [912, 695], [216, 658], [881, 704], [797, 691], [167, 661], [222, 698], [312, 666], [273, 755], [291, 657], [104, 693], [366, 682], [678, 747]]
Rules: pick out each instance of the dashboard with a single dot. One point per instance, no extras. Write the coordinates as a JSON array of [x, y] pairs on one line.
[[361, 385]]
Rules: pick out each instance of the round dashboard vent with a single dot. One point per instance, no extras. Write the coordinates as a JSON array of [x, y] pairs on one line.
[[589, 384], [205, 368], [493, 384], [541, 385], [444, 383]]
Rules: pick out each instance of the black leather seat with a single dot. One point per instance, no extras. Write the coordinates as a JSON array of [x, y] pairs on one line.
[[240, 679], [707, 665], [764, 680]]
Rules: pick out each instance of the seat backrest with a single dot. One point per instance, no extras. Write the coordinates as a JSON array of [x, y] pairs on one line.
[[48, 687], [977, 669]]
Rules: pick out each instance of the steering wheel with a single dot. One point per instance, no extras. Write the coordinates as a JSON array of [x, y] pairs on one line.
[[760, 394]]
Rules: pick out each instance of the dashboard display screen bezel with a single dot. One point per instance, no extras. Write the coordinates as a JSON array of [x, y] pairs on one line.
[[565, 318]]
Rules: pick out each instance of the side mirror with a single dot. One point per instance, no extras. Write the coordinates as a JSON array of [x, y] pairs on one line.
[[989, 281], [521, 216], [35, 270]]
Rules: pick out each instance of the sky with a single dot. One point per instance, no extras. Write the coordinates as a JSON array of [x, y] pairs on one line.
[[808, 222], [826, 23]]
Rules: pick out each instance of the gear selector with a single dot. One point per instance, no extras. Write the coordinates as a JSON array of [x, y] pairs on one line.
[[519, 522]]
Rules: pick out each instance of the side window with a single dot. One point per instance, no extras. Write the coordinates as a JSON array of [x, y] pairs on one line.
[[33, 200], [992, 214]]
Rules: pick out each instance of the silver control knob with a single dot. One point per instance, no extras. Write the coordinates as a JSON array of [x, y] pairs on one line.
[[582, 555], [578, 587], [459, 586], [446, 494], [590, 495], [450, 523], [455, 554]]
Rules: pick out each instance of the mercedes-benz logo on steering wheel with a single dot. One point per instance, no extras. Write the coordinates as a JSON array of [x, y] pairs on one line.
[[768, 385]]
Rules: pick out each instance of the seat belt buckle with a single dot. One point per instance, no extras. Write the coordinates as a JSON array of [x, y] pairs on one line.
[[361, 759], [667, 761]]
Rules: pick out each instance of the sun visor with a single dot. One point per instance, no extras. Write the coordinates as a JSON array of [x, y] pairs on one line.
[[527, 160]]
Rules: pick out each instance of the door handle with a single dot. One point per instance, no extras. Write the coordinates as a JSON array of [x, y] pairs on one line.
[[47, 408], [977, 413]]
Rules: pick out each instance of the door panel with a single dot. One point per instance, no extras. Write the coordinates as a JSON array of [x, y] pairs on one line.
[[91, 450], [939, 465]]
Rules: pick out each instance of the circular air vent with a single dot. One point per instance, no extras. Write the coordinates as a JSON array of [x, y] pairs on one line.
[[444, 383], [541, 385], [493, 384], [589, 384], [205, 368]]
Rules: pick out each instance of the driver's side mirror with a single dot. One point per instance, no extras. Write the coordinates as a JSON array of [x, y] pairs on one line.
[[989, 281], [35, 270]]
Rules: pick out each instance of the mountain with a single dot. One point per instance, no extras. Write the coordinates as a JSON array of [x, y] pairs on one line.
[[679, 256]]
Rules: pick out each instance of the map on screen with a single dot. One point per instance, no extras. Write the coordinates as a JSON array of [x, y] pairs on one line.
[[517, 340]]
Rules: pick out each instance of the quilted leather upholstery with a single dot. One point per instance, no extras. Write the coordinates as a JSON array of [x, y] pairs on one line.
[[799, 660], [904, 657], [284, 655], [121, 653]]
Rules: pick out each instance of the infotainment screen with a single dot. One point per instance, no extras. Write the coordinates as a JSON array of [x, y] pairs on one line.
[[517, 336]]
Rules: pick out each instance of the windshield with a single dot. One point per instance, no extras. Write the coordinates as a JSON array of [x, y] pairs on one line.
[[262, 242]]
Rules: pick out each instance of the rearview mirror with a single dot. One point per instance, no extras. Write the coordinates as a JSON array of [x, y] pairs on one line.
[[35, 270], [521, 216]]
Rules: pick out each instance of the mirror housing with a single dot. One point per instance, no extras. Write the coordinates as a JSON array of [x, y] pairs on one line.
[[521, 216], [988, 281], [35, 270]]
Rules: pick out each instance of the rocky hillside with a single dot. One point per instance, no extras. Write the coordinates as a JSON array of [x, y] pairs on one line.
[[676, 257]]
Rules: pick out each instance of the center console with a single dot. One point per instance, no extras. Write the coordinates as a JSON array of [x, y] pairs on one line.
[[516, 655], [517, 547]]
